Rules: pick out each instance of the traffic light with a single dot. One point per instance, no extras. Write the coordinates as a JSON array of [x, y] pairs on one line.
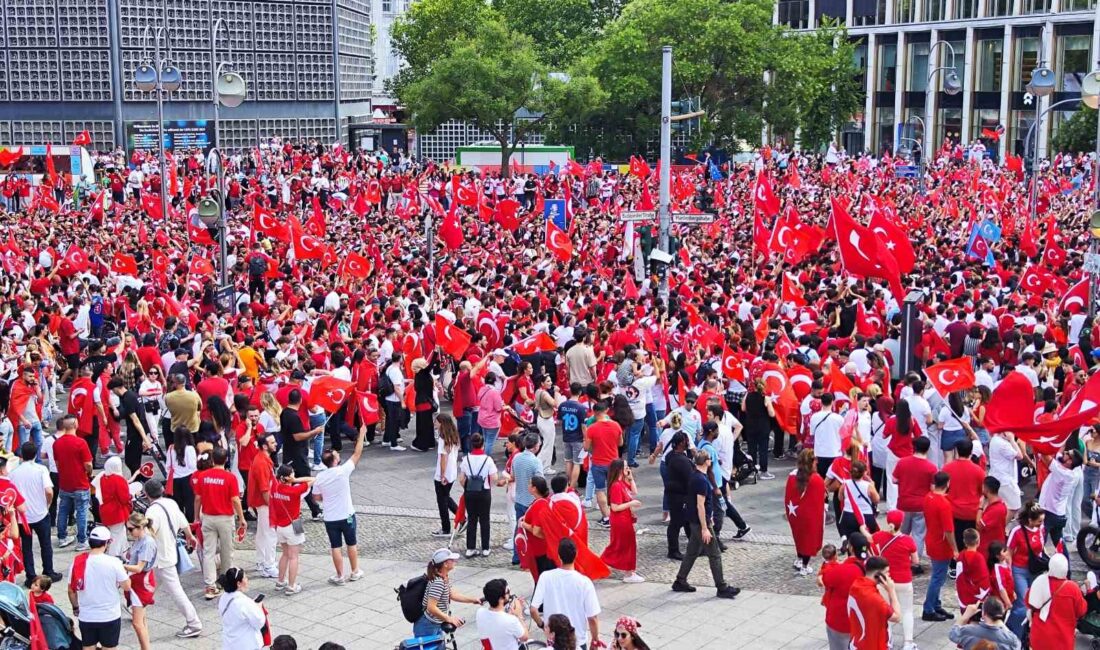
[[686, 106]]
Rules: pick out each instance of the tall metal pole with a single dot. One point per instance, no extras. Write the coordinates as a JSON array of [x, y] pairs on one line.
[[429, 241], [1094, 277], [160, 131], [665, 218], [1033, 151]]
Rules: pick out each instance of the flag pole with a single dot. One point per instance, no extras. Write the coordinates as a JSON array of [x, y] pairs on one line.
[[665, 180]]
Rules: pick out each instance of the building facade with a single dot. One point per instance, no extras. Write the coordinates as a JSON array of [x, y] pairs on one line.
[[68, 65], [997, 44]]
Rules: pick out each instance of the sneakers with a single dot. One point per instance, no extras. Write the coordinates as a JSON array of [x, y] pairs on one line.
[[210, 593], [727, 592], [396, 448], [268, 573], [806, 571], [766, 476], [320, 516], [742, 532], [189, 632], [317, 467], [355, 575], [933, 617], [676, 555], [910, 646], [588, 504], [508, 545], [797, 565], [82, 546], [291, 590], [65, 541], [683, 587], [279, 586], [484, 552], [952, 573], [633, 579], [605, 522], [470, 553], [337, 581], [440, 533]]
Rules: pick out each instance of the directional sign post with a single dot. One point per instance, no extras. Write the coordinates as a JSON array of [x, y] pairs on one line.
[[906, 171], [637, 215], [692, 217]]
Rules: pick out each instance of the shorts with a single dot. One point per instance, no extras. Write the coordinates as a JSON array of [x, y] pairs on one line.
[[573, 452], [948, 439], [341, 532], [598, 474], [104, 634], [73, 361], [286, 535], [1010, 494]]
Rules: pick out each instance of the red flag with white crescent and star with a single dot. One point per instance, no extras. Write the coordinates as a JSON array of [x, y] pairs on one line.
[[951, 376], [330, 392]]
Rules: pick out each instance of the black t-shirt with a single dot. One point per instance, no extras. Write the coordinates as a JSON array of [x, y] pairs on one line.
[[680, 471], [848, 314], [572, 414], [700, 486], [129, 404], [294, 451]]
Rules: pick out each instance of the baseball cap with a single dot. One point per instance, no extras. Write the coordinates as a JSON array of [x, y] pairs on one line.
[[895, 517], [100, 534], [297, 374], [442, 555], [499, 353]]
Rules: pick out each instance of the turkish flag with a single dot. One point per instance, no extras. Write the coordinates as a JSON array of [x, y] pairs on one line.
[[764, 198], [360, 205], [839, 384], [451, 230], [464, 195], [51, 170], [540, 342], [1076, 299], [374, 192], [778, 387], [330, 392], [860, 252], [801, 381], [315, 225], [760, 236], [490, 327], [1012, 408], [151, 204], [199, 235], [160, 260], [558, 242], [574, 168], [792, 292], [368, 407], [705, 334], [506, 214], [356, 266], [83, 139], [1036, 280], [951, 376], [897, 241], [732, 368], [307, 247], [265, 222], [450, 338], [124, 264], [75, 261], [200, 266]]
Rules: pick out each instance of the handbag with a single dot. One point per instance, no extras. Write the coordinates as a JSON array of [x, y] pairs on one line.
[[296, 525], [184, 564], [1036, 563]]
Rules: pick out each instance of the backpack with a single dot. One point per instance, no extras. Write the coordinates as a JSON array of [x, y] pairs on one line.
[[257, 265], [411, 597], [385, 384]]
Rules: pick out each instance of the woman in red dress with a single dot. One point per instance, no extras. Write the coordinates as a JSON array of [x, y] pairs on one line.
[[804, 510], [622, 551]]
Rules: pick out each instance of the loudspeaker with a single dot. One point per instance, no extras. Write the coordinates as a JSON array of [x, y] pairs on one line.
[[952, 85], [1042, 82]]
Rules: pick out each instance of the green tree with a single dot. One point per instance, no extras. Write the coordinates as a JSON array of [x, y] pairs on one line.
[[562, 30], [426, 32], [485, 77], [1078, 133]]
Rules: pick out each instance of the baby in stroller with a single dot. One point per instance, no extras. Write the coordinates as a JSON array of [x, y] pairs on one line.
[[1090, 623], [15, 613]]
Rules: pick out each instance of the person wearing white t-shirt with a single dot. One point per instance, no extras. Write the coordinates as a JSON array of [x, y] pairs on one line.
[[922, 413], [571, 593], [502, 623], [825, 429], [33, 482], [333, 487], [93, 592]]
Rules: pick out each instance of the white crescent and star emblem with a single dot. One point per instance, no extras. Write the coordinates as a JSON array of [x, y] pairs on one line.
[[944, 373], [779, 234], [555, 239], [1074, 300], [336, 395], [853, 239], [369, 406], [309, 244]]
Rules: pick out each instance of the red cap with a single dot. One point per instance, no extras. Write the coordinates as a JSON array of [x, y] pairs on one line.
[[894, 518]]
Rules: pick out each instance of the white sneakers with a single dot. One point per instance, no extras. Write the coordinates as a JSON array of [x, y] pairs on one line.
[[633, 579]]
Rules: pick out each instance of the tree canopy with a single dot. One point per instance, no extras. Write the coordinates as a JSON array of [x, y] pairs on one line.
[[1078, 133]]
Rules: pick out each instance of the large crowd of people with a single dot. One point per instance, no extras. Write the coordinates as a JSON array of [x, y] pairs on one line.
[[536, 359]]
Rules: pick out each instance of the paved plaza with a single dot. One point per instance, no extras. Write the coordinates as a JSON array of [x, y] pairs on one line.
[[393, 494]]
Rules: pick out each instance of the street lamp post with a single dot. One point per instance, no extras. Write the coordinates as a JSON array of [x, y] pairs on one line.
[[159, 75], [1028, 141], [212, 215], [952, 85], [920, 145]]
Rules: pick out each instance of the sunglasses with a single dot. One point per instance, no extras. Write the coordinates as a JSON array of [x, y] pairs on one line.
[[622, 635]]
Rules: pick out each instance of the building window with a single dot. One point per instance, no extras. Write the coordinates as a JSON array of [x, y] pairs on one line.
[[918, 67], [884, 129], [1027, 57], [982, 120], [966, 8], [960, 59], [1034, 6], [1018, 127], [905, 11], [935, 10], [996, 8], [387, 6], [859, 60], [1078, 5], [1073, 61], [989, 65], [835, 9], [794, 13], [869, 12], [887, 67], [949, 126]]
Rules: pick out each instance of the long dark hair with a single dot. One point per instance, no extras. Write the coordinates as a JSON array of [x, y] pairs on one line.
[[219, 413], [905, 418], [182, 439], [615, 471], [565, 637]]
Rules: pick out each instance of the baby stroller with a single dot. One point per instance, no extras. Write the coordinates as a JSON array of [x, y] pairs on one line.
[[16, 617], [745, 469], [1090, 623]]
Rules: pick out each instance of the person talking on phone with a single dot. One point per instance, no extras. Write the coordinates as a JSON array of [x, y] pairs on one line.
[[502, 623], [970, 628], [869, 613], [243, 618]]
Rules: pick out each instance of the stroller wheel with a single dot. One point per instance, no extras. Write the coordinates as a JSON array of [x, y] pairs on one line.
[[1088, 546], [1094, 644]]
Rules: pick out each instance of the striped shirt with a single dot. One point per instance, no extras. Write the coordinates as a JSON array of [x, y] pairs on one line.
[[525, 466], [440, 589]]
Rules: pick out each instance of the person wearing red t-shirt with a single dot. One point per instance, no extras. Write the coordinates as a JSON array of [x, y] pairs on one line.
[[966, 489], [217, 501], [261, 474], [940, 544], [900, 551], [213, 385], [972, 582], [1024, 541], [837, 579], [992, 515], [1056, 604], [286, 508], [538, 559], [913, 476], [869, 614], [602, 440], [74, 469], [248, 432]]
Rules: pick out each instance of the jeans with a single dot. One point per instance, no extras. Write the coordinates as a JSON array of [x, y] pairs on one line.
[[393, 422], [463, 422], [651, 426], [73, 501], [490, 434], [1021, 579], [423, 627], [1092, 481], [318, 442], [935, 584], [913, 525], [758, 447], [34, 431], [520, 511], [634, 436], [41, 529]]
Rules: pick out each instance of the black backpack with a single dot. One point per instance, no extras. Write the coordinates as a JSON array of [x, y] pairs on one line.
[[385, 384], [257, 265], [411, 597]]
